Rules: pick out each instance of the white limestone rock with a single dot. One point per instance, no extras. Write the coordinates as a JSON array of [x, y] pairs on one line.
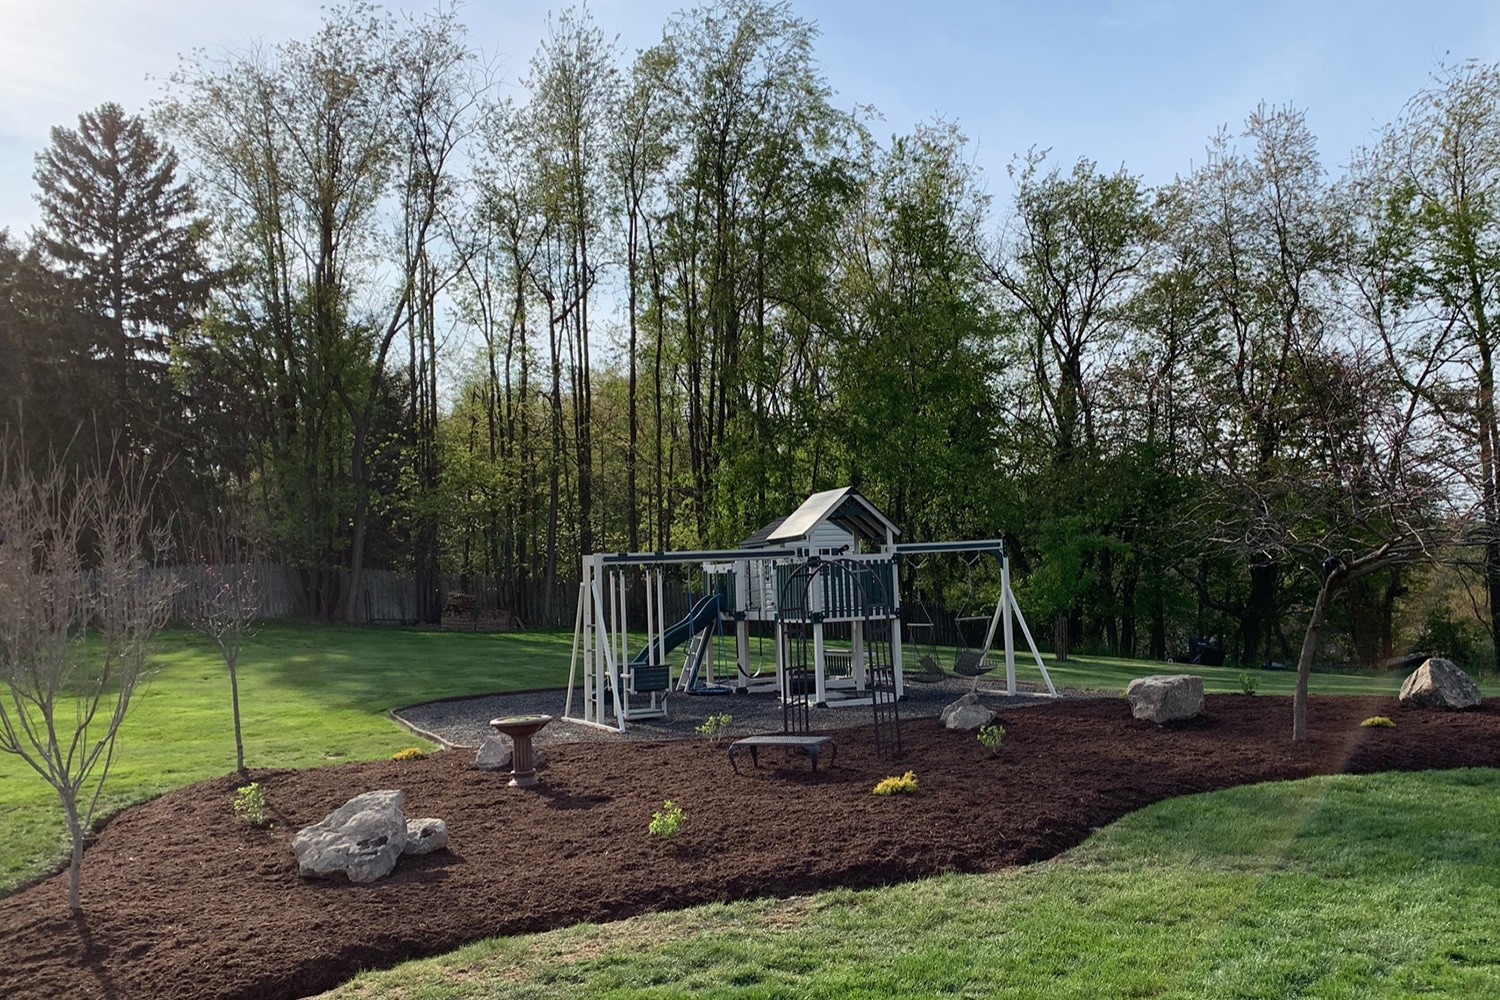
[[1166, 697], [423, 836], [361, 838], [966, 713], [493, 755], [1439, 683]]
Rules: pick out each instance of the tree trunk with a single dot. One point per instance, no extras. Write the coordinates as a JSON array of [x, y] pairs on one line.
[[1393, 590], [234, 707], [75, 832], [1260, 606], [632, 420], [1061, 638], [356, 550], [1305, 660]]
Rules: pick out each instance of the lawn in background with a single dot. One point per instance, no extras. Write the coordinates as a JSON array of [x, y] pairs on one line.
[[1110, 674], [1103, 673], [1380, 885], [310, 694]]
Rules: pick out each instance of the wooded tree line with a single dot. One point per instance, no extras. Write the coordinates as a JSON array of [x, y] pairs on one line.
[[397, 310]]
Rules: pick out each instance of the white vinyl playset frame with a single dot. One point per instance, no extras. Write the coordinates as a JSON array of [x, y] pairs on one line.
[[616, 686]]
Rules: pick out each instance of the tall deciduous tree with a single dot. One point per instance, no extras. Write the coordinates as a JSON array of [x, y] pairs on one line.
[[1075, 251], [1263, 241], [574, 86], [913, 365], [331, 163], [1436, 175], [756, 185]]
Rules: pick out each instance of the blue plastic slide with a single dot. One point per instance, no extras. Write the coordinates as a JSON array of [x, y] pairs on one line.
[[703, 615]]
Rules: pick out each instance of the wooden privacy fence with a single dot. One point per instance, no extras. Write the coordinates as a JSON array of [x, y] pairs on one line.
[[385, 597]]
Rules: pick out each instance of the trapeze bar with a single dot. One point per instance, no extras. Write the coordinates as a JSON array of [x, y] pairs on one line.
[[706, 555], [979, 545]]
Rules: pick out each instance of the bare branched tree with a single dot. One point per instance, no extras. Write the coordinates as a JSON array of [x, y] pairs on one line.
[[225, 602], [1372, 488], [82, 591]]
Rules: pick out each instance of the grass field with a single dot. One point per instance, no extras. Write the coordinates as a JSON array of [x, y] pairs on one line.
[[1344, 887], [315, 693]]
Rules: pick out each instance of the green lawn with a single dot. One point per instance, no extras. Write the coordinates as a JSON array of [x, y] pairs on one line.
[[1102, 673], [1343, 887], [309, 694], [1106, 673]]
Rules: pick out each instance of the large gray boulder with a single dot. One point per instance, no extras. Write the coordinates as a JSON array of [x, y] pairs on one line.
[[1439, 683], [361, 838], [423, 836], [1166, 697], [966, 713]]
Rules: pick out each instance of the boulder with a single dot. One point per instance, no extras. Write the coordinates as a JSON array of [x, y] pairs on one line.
[[361, 838], [1439, 683], [494, 755], [966, 713], [423, 836], [1165, 697]]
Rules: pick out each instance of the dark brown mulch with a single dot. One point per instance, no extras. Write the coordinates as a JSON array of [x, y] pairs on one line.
[[183, 901]]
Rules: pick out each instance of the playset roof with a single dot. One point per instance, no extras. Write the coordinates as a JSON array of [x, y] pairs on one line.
[[845, 507]]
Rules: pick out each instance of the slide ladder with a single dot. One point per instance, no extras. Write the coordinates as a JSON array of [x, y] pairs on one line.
[[694, 660]]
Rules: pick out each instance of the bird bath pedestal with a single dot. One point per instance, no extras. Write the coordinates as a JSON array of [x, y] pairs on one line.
[[520, 729]]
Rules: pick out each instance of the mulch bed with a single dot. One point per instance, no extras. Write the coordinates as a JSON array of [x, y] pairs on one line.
[[183, 901]]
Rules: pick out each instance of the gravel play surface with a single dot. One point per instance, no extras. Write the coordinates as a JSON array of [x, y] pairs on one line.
[[464, 722]]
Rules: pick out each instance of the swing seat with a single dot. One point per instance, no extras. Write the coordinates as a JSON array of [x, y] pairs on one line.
[[970, 664], [930, 673], [646, 679]]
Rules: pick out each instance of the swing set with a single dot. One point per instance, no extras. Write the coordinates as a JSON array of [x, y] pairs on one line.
[[972, 657], [843, 557]]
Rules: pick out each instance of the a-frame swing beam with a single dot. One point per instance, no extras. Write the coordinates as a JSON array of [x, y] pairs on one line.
[[1004, 609]]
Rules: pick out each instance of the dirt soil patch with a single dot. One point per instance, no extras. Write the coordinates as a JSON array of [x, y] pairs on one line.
[[183, 901]]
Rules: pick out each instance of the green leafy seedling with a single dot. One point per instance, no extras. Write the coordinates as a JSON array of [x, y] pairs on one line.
[[666, 821], [250, 804], [716, 726], [991, 736]]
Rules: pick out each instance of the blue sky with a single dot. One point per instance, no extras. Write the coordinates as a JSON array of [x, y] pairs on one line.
[[1141, 83]]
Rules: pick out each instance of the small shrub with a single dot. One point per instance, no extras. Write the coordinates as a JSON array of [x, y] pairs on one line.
[[1378, 722], [667, 821], [410, 753], [906, 784], [1248, 682], [715, 726], [250, 804], [991, 736]]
